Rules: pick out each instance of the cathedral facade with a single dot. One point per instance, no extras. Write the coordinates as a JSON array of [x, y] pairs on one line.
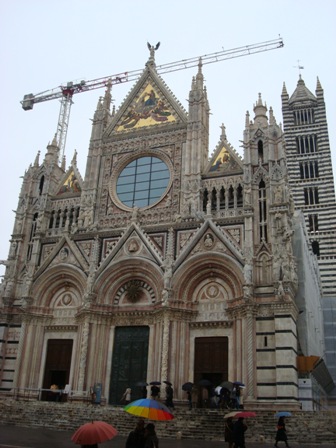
[[161, 263]]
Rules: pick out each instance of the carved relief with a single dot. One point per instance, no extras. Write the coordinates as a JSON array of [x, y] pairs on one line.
[[63, 253], [108, 246], [183, 238], [85, 247], [46, 251], [133, 246]]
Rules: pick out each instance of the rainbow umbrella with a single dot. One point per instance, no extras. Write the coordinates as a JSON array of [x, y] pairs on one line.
[[151, 409]]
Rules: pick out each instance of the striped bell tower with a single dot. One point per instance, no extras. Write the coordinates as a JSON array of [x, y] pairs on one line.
[[312, 183]]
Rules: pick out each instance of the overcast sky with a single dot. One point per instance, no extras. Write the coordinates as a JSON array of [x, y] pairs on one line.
[[47, 43]]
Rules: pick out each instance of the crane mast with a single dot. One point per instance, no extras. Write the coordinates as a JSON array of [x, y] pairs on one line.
[[66, 92]]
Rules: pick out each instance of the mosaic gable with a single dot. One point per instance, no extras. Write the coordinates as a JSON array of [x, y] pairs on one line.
[[148, 109]]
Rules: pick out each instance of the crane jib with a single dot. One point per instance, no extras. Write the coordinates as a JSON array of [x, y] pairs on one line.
[[66, 92]]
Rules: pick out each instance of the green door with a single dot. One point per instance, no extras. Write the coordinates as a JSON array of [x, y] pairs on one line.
[[129, 362]]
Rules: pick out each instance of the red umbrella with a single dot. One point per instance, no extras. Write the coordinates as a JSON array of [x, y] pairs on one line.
[[244, 414], [94, 432]]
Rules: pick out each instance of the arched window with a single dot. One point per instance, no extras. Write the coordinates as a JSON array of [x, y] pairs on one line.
[[222, 198], [231, 197], [205, 200], [52, 218], [239, 196], [41, 185], [260, 151], [214, 199]]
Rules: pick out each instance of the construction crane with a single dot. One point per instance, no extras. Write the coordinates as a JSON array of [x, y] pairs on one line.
[[66, 92]]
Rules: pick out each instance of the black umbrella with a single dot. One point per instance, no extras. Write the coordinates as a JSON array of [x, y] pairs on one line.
[[187, 386], [155, 383], [205, 383], [227, 384], [168, 383], [141, 384]]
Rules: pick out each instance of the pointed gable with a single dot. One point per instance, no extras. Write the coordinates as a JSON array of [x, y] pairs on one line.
[[133, 243], [225, 159], [208, 238], [150, 103], [64, 252], [72, 182]]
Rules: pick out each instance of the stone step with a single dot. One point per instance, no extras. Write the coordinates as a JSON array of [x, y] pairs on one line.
[[315, 427]]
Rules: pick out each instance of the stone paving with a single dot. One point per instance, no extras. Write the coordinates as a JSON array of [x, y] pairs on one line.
[[22, 437]]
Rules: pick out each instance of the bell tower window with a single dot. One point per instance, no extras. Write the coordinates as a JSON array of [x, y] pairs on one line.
[[262, 211]]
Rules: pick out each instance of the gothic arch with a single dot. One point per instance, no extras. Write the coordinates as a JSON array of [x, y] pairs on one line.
[[111, 284], [197, 270], [263, 269], [57, 281]]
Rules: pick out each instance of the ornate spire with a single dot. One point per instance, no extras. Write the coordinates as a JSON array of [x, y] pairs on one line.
[[247, 119], [271, 116], [260, 110], [284, 90], [199, 76], [52, 151], [108, 96], [36, 163], [74, 159], [319, 89]]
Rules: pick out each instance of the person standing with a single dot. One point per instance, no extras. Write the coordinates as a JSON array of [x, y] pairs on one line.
[[127, 395], [228, 431], [169, 397], [155, 392], [194, 396], [189, 399], [136, 438], [151, 440], [239, 429], [281, 434]]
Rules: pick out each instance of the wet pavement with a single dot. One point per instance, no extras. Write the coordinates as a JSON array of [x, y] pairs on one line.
[[22, 437]]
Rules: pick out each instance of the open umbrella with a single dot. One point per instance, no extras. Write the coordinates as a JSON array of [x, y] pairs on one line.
[[231, 414], [168, 383], [282, 414], [187, 386], [94, 432], [151, 409], [227, 385], [244, 414], [155, 383]]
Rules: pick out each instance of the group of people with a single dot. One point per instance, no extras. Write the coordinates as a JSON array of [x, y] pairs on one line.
[[234, 433], [154, 392], [142, 436], [229, 399], [208, 397]]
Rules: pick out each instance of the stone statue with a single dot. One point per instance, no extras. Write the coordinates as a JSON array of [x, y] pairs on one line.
[[248, 273]]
